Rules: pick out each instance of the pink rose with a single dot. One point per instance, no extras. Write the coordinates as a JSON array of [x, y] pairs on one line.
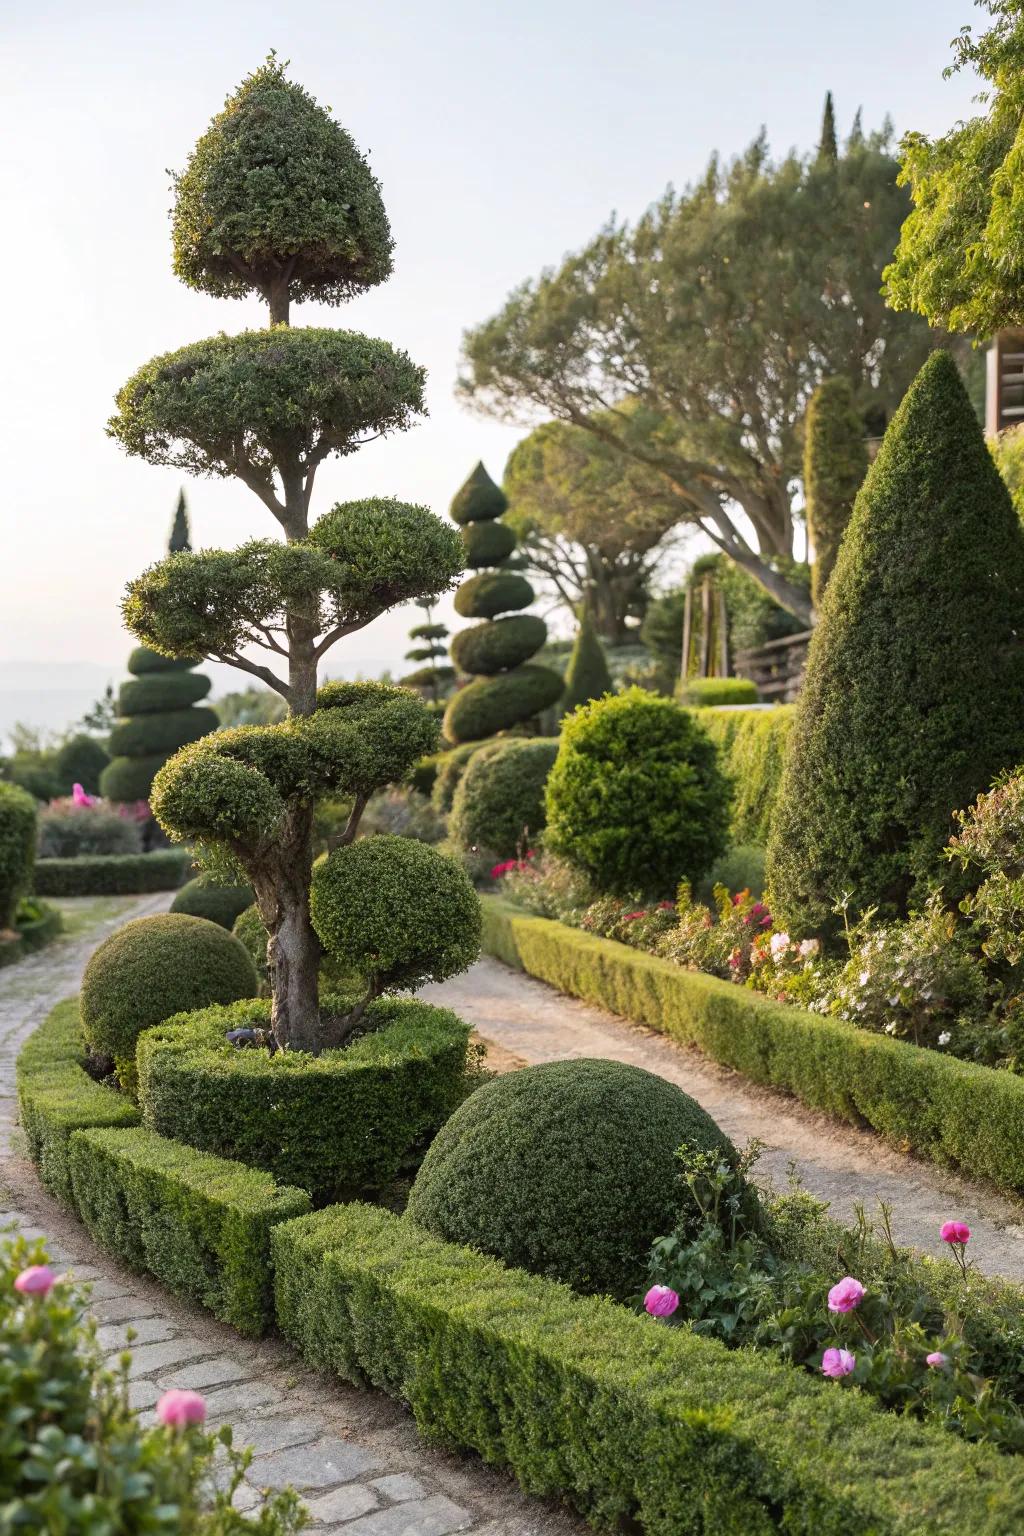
[[845, 1295], [837, 1362], [178, 1408], [955, 1232], [661, 1301], [37, 1280], [936, 1358]]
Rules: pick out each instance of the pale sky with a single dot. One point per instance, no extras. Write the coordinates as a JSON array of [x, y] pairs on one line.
[[503, 137]]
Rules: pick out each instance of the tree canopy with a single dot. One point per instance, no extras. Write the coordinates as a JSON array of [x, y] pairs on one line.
[[960, 260], [719, 311]]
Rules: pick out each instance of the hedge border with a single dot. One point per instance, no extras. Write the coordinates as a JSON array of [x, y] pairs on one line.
[[951, 1111], [628, 1419], [199, 1223], [112, 874], [28, 937]]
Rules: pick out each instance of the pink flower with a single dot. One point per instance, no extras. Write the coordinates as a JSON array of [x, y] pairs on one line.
[[631, 917], [37, 1280], [845, 1295], [936, 1358], [661, 1301], [955, 1232], [837, 1362], [497, 870], [177, 1408], [79, 796]]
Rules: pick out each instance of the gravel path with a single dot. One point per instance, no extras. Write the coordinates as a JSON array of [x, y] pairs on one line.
[[532, 1022], [354, 1455]]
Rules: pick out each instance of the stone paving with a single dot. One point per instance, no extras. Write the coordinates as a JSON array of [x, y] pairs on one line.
[[355, 1456]]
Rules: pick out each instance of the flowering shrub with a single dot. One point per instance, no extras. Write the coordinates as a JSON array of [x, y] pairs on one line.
[[67, 829], [721, 942], [991, 844], [548, 887], [612, 918], [73, 1458]]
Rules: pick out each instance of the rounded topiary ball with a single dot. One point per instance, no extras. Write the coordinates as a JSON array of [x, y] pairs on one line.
[[221, 904], [153, 968], [566, 1169], [500, 797], [396, 911], [636, 799]]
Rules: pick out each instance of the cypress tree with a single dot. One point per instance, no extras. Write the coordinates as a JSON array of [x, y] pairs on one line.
[[587, 676], [914, 695], [180, 540], [828, 144], [835, 463]]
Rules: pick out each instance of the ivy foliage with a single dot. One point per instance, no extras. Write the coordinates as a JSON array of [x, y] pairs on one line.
[[247, 404], [276, 190]]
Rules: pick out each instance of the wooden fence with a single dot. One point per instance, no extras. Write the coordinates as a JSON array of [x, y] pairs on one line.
[[776, 669]]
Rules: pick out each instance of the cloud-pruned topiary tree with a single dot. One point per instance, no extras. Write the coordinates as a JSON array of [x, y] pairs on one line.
[[276, 200], [430, 679], [159, 712], [496, 652], [914, 696]]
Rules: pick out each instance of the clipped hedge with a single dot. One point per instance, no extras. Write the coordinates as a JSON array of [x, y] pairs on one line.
[[950, 1111], [641, 1427], [112, 874], [56, 1096], [17, 848], [209, 898], [751, 752], [448, 770], [342, 1121], [707, 692], [492, 704], [499, 644], [162, 691], [200, 1224]]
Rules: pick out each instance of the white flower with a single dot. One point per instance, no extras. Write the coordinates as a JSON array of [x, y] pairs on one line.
[[809, 947], [779, 944], [890, 1028], [864, 978], [945, 1037]]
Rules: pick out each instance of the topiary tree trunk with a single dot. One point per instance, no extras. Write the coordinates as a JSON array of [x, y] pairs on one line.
[[496, 652], [277, 200]]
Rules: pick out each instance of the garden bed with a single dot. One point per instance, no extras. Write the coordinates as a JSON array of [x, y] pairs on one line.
[[948, 1110], [112, 874]]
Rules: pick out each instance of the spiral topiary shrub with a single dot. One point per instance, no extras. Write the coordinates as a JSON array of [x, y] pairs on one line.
[[566, 1169], [17, 848], [157, 717], [153, 968], [506, 692], [218, 903], [636, 799], [500, 797]]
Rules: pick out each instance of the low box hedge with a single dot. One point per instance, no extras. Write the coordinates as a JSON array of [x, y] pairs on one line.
[[951, 1111], [31, 934], [200, 1224], [56, 1096], [112, 874], [632, 1421], [334, 1124]]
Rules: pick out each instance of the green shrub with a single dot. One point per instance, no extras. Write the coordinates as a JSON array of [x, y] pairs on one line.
[[835, 463], [56, 1096], [143, 661], [163, 691], [914, 695], [396, 911], [450, 766], [342, 1121], [500, 797], [567, 1169], [207, 897], [950, 1111], [200, 1224], [587, 676], [487, 543], [250, 932], [127, 779], [154, 967], [80, 760], [146, 735], [639, 1426], [493, 704], [491, 593], [478, 499], [65, 831], [112, 874], [635, 799], [740, 868], [498, 645], [705, 692], [36, 773], [35, 924], [751, 753], [17, 848]]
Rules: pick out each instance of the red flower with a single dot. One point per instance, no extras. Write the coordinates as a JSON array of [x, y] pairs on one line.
[[631, 917]]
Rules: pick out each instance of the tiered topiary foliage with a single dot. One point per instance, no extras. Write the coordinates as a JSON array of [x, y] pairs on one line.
[[159, 714], [496, 652], [835, 463], [430, 679], [914, 696], [277, 200]]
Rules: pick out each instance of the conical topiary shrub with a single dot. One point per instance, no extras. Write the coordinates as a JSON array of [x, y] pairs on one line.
[[158, 715], [496, 652], [587, 676], [914, 694]]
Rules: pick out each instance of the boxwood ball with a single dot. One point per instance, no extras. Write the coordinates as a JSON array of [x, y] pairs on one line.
[[566, 1169]]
